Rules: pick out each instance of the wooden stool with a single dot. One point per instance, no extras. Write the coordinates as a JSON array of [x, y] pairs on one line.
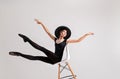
[[66, 66]]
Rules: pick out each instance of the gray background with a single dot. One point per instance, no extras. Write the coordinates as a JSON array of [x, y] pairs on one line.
[[96, 57]]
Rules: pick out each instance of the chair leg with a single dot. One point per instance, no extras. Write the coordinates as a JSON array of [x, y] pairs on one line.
[[71, 70], [58, 71], [67, 67]]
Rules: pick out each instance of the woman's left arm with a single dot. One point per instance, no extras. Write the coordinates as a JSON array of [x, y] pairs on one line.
[[80, 39]]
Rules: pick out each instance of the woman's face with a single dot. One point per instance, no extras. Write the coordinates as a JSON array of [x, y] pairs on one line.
[[63, 33]]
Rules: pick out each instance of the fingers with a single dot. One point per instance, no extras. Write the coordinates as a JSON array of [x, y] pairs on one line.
[[90, 33], [35, 19], [38, 22]]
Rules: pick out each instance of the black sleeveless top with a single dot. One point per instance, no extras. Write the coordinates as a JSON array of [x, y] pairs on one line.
[[59, 48]]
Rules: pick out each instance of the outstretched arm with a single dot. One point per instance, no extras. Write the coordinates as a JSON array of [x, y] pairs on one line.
[[80, 39], [45, 28]]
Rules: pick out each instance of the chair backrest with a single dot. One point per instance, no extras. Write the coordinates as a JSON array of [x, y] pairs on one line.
[[66, 54]]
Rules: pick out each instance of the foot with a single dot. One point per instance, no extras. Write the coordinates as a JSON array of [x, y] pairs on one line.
[[14, 53], [25, 38]]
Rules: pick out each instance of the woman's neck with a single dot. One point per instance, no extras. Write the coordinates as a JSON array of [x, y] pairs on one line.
[[59, 40]]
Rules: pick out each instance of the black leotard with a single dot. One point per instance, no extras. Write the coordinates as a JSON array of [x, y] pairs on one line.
[[59, 48]]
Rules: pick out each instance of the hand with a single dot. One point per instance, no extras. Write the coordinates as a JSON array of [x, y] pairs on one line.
[[90, 33], [38, 22]]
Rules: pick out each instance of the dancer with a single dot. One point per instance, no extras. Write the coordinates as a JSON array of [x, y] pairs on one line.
[[61, 39]]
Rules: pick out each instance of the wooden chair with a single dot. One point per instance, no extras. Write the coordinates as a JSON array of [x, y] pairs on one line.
[[66, 66]]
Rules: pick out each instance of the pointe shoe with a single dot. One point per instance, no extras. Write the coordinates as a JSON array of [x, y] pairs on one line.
[[14, 53], [25, 38]]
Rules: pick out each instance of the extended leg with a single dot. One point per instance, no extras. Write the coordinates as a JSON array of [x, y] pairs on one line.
[[30, 57], [46, 51]]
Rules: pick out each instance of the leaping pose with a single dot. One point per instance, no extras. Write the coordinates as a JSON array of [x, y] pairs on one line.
[[62, 33]]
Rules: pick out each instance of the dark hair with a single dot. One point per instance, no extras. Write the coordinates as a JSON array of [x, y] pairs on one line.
[[60, 28]]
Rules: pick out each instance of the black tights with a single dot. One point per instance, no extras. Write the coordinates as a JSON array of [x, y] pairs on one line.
[[51, 57]]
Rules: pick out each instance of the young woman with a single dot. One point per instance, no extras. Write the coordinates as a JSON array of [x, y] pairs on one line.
[[62, 34]]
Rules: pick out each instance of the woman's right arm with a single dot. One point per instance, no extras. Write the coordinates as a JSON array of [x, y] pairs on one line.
[[45, 28]]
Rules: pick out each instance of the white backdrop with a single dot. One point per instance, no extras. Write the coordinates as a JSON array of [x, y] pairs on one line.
[[96, 57]]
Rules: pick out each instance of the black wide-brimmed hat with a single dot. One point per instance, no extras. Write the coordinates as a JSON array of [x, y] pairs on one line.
[[60, 28]]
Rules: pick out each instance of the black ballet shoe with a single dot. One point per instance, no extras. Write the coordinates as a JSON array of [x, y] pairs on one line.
[[14, 53], [25, 38]]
